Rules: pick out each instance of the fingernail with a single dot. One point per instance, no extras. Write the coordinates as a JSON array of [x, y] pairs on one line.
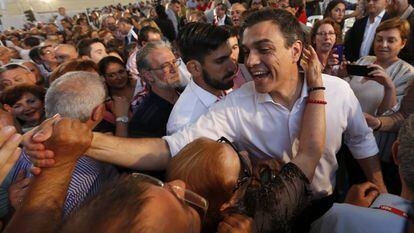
[[8, 129], [16, 137], [56, 115]]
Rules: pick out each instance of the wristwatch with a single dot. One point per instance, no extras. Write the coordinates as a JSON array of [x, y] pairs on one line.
[[122, 119]]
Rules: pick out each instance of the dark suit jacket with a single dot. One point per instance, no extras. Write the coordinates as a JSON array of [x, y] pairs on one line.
[[166, 27], [227, 21], [354, 37], [407, 53], [132, 38]]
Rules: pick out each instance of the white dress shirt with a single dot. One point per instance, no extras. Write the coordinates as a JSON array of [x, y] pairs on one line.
[[193, 102], [369, 34], [343, 218], [267, 129]]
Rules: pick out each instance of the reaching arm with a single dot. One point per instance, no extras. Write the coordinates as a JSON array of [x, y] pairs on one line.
[[312, 134], [372, 171], [42, 206], [142, 154]]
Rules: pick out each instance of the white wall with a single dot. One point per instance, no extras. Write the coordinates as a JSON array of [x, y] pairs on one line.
[[12, 10]]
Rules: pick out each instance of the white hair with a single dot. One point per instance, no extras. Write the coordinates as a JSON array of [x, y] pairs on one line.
[[75, 95]]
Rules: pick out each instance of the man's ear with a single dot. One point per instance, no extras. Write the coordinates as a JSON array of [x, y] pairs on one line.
[[147, 76], [394, 150], [296, 50], [98, 113], [7, 107], [195, 68]]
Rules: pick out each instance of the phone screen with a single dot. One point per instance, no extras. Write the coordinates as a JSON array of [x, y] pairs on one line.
[[340, 51]]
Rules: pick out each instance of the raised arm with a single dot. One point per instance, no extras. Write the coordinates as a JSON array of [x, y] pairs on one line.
[[41, 210], [312, 134]]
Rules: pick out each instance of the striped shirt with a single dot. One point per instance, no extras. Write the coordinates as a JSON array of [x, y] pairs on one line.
[[87, 179]]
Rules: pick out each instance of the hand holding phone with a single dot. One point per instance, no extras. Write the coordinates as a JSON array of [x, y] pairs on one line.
[[359, 70]]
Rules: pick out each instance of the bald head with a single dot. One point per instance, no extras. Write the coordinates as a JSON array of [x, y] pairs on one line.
[[5, 55], [65, 52]]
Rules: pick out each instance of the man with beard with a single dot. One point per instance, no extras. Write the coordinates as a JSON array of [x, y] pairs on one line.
[[158, 66], [212, 70]]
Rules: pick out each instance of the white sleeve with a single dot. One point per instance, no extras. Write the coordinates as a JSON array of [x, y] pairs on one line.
[[220, 120], [358, 136]]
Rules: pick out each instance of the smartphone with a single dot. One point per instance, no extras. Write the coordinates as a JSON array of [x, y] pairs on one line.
[[358, 70], [340, 51]]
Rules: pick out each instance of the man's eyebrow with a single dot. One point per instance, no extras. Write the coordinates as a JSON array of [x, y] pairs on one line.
[[256, 43]]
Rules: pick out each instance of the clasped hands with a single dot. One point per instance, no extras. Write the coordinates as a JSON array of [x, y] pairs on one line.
[[57, 142]]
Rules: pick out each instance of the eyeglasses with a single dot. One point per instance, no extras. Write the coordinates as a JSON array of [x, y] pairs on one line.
[[166, 67], [326, 33], [185, 196], [245, 171]]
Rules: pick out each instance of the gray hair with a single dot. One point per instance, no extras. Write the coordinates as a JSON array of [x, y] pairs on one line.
[[406, 152], [143, 53], [75, 95]]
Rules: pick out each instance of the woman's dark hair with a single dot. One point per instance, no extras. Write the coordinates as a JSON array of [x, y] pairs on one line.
[[330, 7], [34, 54], [104, 63], [160, 10], [205, 37], [13, 94]]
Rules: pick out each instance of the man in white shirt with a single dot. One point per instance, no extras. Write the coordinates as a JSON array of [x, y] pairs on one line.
[[263, 116], [212, 70], [221, 18], [388, 213]]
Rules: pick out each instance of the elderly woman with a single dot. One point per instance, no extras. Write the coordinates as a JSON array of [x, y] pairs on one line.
[[26, 104], [324, 35]]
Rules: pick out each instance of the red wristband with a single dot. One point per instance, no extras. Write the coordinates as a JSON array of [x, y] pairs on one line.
[[310, 101]]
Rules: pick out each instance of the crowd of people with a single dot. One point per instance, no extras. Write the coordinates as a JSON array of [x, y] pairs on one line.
[[210, 116]]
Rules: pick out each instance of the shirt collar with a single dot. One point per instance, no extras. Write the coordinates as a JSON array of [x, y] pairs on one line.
[[392, 201], [265, 97], [380, 15], [205, 97]]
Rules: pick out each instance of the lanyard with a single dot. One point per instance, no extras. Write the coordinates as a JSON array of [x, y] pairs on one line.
[[392, 210]]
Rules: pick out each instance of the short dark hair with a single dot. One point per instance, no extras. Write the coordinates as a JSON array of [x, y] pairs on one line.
[[119, 201], [84, 46], [197, 40], [13, 94], [31, 41], [223, 6], [287, 23], [125, 20], [143, 33], [174, 2], [104, 63], [232, 30]]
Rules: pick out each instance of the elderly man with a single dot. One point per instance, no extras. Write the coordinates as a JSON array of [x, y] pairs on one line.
[[15, 74], [158, 66], [372, 213], [126, 28], [263, 116], [210, 79], [70, 96], [236, 12]]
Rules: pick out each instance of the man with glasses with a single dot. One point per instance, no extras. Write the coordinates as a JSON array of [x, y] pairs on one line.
[[158, 66], [360, 37], [212, 69]]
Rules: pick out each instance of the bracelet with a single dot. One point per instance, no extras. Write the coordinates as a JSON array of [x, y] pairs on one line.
[[315, 89], [379, 126], [310, 101]]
